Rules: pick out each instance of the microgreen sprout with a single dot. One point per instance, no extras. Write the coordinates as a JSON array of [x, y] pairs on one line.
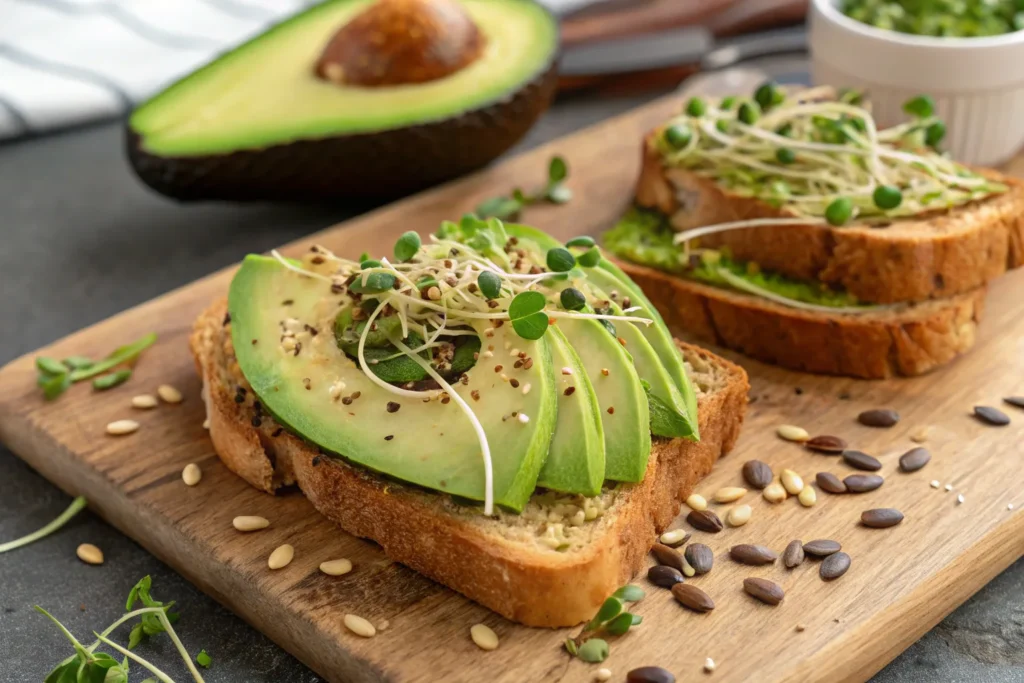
[[611, 620], [76, 506], [554, 192], [56, 376]]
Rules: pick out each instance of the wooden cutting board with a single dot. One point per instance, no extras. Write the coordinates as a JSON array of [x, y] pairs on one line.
[[903, 580]]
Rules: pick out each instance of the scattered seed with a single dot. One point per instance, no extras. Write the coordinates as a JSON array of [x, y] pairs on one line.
[[705, 520], [861, 461], [667, 556], [862, 483], [808, 497], [920, 436], [739, 515], [144, 401], [881, 518], [122, 427], [793, 556], [664, 576], [729, 494], [191, 474], [758, 474], [822, 547], [827, 444], [992, 416], [768, 592], [693, 598], [1016, 401], [89, 554], [935, 484], [793, 433], [800, 628], [336, 567], [168, 394], [754, 555], [960, 499], [881, 417], [834, 566], [484, 637], [792, 482], [281, 557], [674, 538], [709, 665], [948, 487], [688, 570], [650, 674], [774, 493], [1009, 506], [250, 523], [697, 502], [603, 675], [830, 482], [700, 557], [360, 626], [914, 459]]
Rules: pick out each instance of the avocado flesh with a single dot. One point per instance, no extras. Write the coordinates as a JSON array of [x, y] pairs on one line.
[[575, 462], [432, 444], [265, 92]]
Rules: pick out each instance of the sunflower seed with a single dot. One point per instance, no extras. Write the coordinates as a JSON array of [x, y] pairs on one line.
[[667, 556], [281, 557], [168, 394], [882, 417], [359, 626], [336, 567], [768, 592], [729, 494], [697, 502], [705, 520], [700, 557], [834, 566], [862, 483], [774, 493], [663, 576], [822, 547], [89, 554], [861, 461], [122, 427], [754, 555], [691, 597], [792, 482], [650, 674], [250, 523], [881, 518], [830, 482], [739, 515], [794, 554], [808, 497], [484, 637], [758, 474], [992, 416], [674, 538], [1017, 401], [827, 444], [914, 459], [793, 433], [191, 474]]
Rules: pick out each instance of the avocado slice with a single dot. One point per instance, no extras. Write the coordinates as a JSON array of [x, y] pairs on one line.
[[426, 443], [264, 121], [575, 461]]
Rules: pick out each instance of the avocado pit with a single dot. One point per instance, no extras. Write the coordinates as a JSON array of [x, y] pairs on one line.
[[399, 42]]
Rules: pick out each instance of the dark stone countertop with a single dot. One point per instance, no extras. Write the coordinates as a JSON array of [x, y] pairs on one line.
[[84, 240]]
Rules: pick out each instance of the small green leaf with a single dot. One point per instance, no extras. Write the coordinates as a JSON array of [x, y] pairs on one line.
[[65, 672], [637, 620], [407, 246], [594, 651], [609, 610], [135, 636], [56, 385], [560, 260], [570, 646], [527, 314], [583, 242], [78, 362], [489, 284], [426, 282], [590, 258], [921, 106], [558, 170], [630, 593], [122, 354], [203, 659], [50, 366], [375, 283], [572, 299], [499, 207], [531, 327], [619, 624], [520, 196], [109, 381]]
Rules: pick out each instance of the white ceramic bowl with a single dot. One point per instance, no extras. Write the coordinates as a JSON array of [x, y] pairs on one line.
[[977, 83]]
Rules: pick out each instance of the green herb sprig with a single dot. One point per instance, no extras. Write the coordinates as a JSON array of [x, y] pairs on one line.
[[56, 376], [611, 620], [76, 506], [554, 192]]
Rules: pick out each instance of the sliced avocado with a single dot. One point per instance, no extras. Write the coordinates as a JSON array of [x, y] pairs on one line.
[[276, 119], [575, 461], [426, 443]]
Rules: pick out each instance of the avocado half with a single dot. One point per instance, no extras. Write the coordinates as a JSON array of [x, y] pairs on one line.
[[263, 121]]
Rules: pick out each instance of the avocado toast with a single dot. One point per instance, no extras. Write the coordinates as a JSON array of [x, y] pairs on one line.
[[789, 227], [500, 413]]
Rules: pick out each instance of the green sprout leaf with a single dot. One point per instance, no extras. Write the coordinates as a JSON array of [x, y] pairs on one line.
[[558, 170], [619, 624], [78, 362], [570, 646], [582, 242], [594, 651], [489, 284], [111, 380], [150, 624], [527, 314], [609, 610], [630, 593], [921, 106], [560, 260], [499, 207], [118, 356], [407, 246], [637, 619], [572, 299], [589, 258], [203, 659], [50, 366], [56, 385]]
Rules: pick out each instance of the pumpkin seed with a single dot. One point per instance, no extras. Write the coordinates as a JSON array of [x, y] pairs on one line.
[[792, 482], [700, 557], [758, 474], [674, 538], [122, 427], [807, 497], [281, 557], [484, 637], [881, 417], [705, 520], [992, 416], [754, 555], [191, 474], [822, 547], [664, 576], [697, 502], [830, 482], [861, 461], [774, 493], [693, 598], [834, 566], [793, 555], [793, 433], [739, 515], [336, 567], [827, 444], [881, 518], [250, 522], [862, 483], [914, 459], [650, 674], [89, 554], [1016, 401], [729, 494], [168, 394], [359, 626], [768, 592]]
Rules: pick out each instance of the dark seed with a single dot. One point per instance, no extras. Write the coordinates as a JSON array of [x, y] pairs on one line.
[[914, 459], [830, 482], [834, 566], [879, 418], [705, 520], [700, 557], [861, 461], [755, 555], [663, 576], [862, 483], [992, 416], [691, 597], [793, 555], [826, 444], [768, 592], [881, 518], [822, 547], [757, 473], [667, 556], [1017, 401], [650, 674]]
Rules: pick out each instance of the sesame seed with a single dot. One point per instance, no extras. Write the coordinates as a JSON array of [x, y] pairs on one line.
[[569, 391], [497, 368], [949, 487], [523, 417], [960, 499], [306, 382], [1009, 506], [611, 410], [514, 352], [566, 371], [514, 382], [393, 407], [475, 394], [604, 371], [709, 665], [526, 388], [389, 437], [935, 484], [621, 340]]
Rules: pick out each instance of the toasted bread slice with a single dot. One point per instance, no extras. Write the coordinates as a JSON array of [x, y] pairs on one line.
[[552, 565], [909, 340], [939, 255]]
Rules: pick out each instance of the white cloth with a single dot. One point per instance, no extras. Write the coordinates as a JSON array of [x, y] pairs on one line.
[[68, 62]]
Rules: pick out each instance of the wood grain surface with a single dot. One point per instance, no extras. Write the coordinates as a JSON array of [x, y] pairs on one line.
[[903, 580]]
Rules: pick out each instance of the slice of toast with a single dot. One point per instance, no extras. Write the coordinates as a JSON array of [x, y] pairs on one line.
[[553, 565], [938, 255], [909, 340]]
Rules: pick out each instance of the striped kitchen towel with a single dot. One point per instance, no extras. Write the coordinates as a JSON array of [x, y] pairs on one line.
[[68, 62]]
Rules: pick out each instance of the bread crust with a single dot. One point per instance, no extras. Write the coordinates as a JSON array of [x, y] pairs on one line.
[[938, 255], [908, 341], [532, 585]]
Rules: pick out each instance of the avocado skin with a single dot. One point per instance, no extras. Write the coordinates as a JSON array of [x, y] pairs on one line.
[[379, 165]]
